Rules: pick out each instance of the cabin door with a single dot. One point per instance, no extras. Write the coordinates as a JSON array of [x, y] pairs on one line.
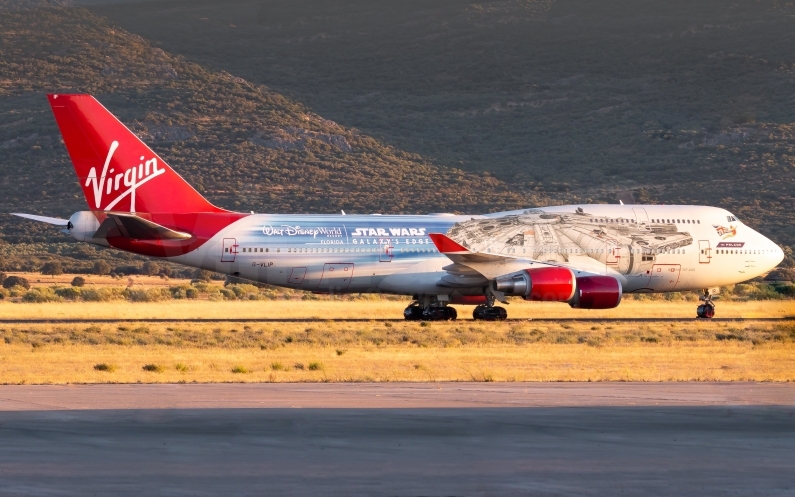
[[704, 252], [229, 250], [385, 250]]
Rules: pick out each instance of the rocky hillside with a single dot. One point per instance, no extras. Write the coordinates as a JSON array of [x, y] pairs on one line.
[[243, 145]]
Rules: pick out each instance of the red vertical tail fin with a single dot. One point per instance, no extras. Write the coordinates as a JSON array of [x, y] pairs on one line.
[[116, 170]]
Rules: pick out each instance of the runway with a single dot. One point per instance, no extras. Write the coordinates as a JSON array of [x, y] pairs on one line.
[[448, 439]]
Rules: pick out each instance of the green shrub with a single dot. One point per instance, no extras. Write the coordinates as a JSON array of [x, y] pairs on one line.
[[182, 368], [277, 366], [78, 281], [101, 294], [68, 293], [240, 369], [191, 293], [40, 295], [154, 368], [228, 294], [150, 295], [315, 366], [103, 366]]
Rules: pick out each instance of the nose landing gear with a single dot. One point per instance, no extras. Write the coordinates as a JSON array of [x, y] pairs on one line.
[[706, 310]]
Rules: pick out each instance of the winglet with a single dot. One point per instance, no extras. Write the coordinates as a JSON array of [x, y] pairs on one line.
[[447, 245]]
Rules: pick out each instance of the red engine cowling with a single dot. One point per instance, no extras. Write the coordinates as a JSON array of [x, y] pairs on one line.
[[597, 292], [551, 284]]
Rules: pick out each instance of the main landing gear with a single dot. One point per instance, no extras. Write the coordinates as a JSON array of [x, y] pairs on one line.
[[485, 313], [706, 310], [429, 309], [489, 312]]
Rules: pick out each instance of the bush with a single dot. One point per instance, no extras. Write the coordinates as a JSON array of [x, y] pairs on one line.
[[53, 269], [315, 366], [2, 277], [151, 295], [68, 293], [12, 281], [101, 294], [103, 366], [240, 369], [277, 366], [101, 268], [150, 268], [40, 295], [78, 281], [154, 368], [191, 293]]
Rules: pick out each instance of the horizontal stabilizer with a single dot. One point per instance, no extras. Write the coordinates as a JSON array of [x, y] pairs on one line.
[[44, 219], [136, 228]]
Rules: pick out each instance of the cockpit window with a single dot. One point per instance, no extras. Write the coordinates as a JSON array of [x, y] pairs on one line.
[[732, 219]]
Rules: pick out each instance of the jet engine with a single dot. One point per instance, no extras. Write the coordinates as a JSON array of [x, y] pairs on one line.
[[597, 292], [551, 284], [83, 225]]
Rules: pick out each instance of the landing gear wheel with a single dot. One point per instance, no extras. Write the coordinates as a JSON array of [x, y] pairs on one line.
[[706, 311], [484, 313], [413, 312], [441, 313]]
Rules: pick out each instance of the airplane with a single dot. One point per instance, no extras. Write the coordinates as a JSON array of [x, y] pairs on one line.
[[585, 255]]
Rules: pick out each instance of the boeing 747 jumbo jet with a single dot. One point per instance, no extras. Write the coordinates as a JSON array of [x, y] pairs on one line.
[[587, 256]]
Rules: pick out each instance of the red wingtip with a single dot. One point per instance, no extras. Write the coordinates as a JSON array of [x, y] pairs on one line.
[[445, 244]]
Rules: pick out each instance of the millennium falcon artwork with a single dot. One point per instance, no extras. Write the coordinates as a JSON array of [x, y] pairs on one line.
[[620, 243]]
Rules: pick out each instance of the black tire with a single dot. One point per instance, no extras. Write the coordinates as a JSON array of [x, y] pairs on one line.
[[452, 314], [412, 313], [483, 313], [705, 311]]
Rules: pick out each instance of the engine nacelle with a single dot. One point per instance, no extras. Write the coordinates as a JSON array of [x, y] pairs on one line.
[[83, 225], [597, 292], [550, 284]]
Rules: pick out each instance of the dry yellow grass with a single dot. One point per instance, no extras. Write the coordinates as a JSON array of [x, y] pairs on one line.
[[376, 309], [706, 361], [402, 351]]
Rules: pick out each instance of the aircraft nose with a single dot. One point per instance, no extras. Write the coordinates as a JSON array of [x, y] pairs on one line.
[[779, 255]]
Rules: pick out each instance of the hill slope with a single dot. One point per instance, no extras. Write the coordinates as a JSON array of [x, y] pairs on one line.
[[243, 145], [669, 101]]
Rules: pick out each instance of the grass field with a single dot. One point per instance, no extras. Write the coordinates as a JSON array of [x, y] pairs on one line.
[[376, 309], [322, 349]]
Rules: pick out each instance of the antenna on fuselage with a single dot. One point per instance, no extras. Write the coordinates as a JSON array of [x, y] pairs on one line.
[[343, 212]]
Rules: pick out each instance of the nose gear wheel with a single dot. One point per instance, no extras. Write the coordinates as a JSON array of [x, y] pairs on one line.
[[706, 310]]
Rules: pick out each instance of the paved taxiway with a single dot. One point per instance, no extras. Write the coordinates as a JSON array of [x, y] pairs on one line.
[[399, 439]]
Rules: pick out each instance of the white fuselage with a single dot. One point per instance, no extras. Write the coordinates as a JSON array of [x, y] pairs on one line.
[[649, 248]]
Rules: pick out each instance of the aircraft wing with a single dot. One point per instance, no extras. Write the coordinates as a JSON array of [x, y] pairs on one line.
[[488, 265], [137, 228], [493, 266]]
